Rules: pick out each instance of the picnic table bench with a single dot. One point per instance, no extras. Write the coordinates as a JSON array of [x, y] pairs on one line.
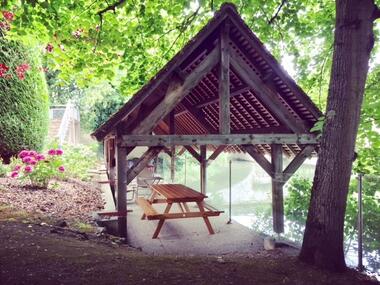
[[181, 195]]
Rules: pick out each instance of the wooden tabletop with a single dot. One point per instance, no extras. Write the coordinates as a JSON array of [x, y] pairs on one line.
[[178, 193]]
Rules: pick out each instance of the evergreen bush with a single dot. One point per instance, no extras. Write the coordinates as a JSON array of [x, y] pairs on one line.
[[24, 100]]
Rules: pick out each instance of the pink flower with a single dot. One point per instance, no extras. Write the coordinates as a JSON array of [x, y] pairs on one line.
[[9, 16], [59, 152], [17, 168], [21, 69], [32, 153], [61, 168], [14, 174], [40, 157], [28, 168], [23, 153], [3, 69], [33, 162], [77, 34], [51, 152], [26, 159], [49, 48]]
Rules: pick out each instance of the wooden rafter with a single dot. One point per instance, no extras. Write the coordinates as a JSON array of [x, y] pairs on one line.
[[266, 95], [255, 42], [233, 93], [177, 90], [198, 115]]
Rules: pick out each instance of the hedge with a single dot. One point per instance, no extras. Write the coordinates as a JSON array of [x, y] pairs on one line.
[[24, 102]]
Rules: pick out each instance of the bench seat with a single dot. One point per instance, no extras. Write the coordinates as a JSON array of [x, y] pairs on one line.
[[149, 212]]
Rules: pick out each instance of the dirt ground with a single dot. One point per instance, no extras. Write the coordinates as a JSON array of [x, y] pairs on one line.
[[72, 200], [41, 254]]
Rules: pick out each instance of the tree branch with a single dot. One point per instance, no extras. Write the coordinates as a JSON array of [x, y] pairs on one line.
[[100, 14], [283, 2], [111, 7]]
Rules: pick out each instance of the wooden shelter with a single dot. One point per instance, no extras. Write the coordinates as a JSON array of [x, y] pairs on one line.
[[222, 92]]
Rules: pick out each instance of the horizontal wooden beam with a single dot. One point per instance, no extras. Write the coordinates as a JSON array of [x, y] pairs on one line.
[[231, 139]]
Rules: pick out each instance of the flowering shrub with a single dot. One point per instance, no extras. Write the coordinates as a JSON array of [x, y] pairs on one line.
[[38, 168]]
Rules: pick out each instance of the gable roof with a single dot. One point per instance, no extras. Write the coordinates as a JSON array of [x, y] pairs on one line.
[[251, 112]]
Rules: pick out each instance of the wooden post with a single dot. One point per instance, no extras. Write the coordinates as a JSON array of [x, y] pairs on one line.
[[203, 168], [277, 189], [224, 80], [121, 202], [172, 149]]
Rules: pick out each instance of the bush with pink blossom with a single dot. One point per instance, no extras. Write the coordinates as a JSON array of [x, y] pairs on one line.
[[37, 168]]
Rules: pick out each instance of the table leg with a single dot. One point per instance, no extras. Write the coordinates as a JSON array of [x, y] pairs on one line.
[[151, 198], [181, 208], [186, 207], [161, 222], [205, 218]]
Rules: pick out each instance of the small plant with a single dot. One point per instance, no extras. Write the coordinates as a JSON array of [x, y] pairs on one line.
[[4, 169], [297, 202], [38, 168], [78, 160]]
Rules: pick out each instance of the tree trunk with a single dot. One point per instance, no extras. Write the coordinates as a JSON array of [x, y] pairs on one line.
[[323, 238]]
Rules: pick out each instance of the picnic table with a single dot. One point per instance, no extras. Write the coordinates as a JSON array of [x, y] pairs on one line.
[[176, 194]]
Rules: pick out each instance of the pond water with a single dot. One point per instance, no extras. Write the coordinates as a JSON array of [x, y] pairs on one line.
[[251, 199]]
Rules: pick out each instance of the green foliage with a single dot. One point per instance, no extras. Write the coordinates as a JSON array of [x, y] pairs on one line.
[[371, 210], [297, 202], [24, 103], [98, 104], [368, 139], [78, 160], [137, 38], [4, 169]]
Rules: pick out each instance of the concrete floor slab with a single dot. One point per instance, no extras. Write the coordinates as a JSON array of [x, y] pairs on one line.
[[190, 236]]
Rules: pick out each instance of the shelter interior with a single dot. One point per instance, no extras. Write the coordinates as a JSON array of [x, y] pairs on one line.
[[223, 91]]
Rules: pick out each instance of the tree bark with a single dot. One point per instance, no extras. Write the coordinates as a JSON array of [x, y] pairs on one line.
[[323, 238]]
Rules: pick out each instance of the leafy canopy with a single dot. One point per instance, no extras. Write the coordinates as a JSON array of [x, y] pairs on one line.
[[127, 42]]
